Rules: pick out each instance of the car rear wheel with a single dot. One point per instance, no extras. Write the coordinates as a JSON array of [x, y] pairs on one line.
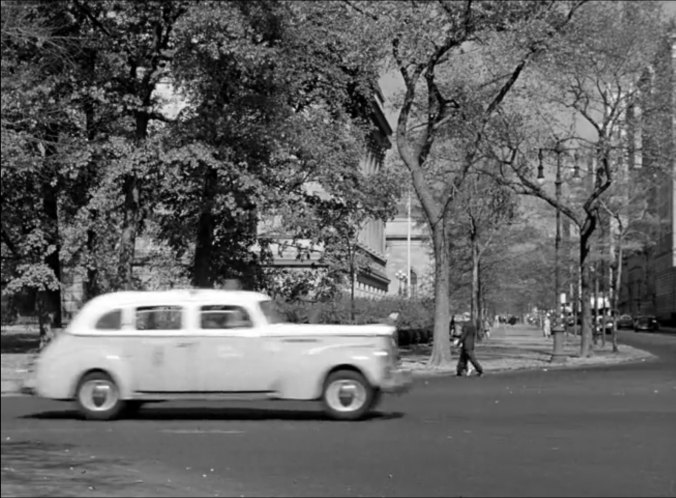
[[98, 397], [347, 395]]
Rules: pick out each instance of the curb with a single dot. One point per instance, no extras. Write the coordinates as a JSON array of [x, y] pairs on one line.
[[642, 357]]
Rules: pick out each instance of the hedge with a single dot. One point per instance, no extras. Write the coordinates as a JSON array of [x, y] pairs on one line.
[[414, 324]]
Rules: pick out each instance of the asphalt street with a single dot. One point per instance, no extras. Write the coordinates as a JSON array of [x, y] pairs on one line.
[[604, 431]]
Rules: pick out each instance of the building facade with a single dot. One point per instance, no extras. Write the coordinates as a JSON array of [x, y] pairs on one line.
[[649, 283], [408, 252], [370, 282]]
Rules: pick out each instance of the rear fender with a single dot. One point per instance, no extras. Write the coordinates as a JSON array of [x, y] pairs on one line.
[[113, 365]]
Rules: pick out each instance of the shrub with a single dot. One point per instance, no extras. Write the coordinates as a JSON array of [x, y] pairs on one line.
[[414, 323]]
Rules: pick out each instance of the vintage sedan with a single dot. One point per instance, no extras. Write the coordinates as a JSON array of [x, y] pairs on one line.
[[625, 322], [646, 323], [127, 348]]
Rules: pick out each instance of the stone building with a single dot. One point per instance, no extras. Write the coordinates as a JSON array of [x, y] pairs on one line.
[[649, 283], [374, 281]]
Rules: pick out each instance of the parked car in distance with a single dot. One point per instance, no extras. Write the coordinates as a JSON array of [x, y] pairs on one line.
[[124, 349], [605, 324], [625, 322], [646, 323]]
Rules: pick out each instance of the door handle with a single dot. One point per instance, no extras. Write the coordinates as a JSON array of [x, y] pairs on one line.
[[185, 344]]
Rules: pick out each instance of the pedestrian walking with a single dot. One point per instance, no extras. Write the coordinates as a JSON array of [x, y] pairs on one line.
[[467, 340], [487, 327], [547, 326]]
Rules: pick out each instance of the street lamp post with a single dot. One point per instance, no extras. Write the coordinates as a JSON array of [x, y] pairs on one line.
[[558, 327], [401, 276]]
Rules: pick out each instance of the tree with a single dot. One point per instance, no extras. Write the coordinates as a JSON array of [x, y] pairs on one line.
[[36, 53], [593, 74], [116, 58], [486, 206], [278, 98], [458, 62]]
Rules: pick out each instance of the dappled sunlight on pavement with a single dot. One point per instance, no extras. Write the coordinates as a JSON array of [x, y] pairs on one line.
[[33, 468]]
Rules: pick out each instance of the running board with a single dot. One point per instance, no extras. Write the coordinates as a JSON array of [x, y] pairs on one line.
[[204, 396]]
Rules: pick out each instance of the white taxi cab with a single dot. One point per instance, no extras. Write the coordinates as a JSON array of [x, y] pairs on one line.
[[127, 348]]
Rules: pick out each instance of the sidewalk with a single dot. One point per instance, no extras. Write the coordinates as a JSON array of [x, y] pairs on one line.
[[522, 347], [508, 348]]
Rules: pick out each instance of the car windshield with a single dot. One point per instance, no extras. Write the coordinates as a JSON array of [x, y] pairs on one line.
[[272, 313]]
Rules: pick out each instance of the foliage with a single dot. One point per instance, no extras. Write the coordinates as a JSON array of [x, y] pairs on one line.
[[458, 61], [414, 323], [589, 83], [273, 95]]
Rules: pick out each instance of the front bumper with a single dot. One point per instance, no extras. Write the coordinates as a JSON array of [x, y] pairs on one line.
[[399, 381]]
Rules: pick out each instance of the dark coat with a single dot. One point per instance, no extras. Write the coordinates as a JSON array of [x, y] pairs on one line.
[[468, 336]]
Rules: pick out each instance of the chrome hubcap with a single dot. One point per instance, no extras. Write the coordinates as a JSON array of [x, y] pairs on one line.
[[345, 395], [98, 395]]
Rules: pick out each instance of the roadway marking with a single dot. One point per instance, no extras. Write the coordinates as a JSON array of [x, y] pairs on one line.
[[201, 431]]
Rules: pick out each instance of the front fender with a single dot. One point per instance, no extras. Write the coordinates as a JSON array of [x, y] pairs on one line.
[[306, 381]]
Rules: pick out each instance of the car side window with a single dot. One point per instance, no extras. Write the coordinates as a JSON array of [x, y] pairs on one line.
[[110, 321], [224, 317], [159, 318]]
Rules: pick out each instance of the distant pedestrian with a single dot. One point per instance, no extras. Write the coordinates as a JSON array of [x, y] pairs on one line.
[[487, 327], [547, 327], [467, 340]]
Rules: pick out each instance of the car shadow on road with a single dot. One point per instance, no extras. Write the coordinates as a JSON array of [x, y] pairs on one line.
[[196, 413]]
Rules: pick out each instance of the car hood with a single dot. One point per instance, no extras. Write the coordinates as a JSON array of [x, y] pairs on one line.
[[305, 329]]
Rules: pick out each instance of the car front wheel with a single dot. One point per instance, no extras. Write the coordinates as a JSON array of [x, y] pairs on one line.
[[98, 397], [347, 395]]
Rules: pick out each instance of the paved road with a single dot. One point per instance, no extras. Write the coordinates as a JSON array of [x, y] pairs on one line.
[[593, 432]]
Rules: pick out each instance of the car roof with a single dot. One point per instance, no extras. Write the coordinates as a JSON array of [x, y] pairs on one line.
[[175, 296]]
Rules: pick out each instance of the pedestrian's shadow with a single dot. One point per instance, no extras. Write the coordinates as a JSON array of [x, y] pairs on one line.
[[196, 413]]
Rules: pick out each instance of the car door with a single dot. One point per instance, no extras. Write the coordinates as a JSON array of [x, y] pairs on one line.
[[232, 359], [166, 359]]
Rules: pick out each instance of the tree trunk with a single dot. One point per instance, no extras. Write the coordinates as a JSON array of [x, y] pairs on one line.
[[129, 231], [91, 287], [595, 306], [352, 282], [202, 275], [603, 315], [475, 308], [45, 318], [441, 348], [132, 215], [585, 290], [52, 297], [616, 283]]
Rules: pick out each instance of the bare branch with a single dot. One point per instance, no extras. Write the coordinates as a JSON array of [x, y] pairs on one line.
[[361, 11], [88, 13]]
